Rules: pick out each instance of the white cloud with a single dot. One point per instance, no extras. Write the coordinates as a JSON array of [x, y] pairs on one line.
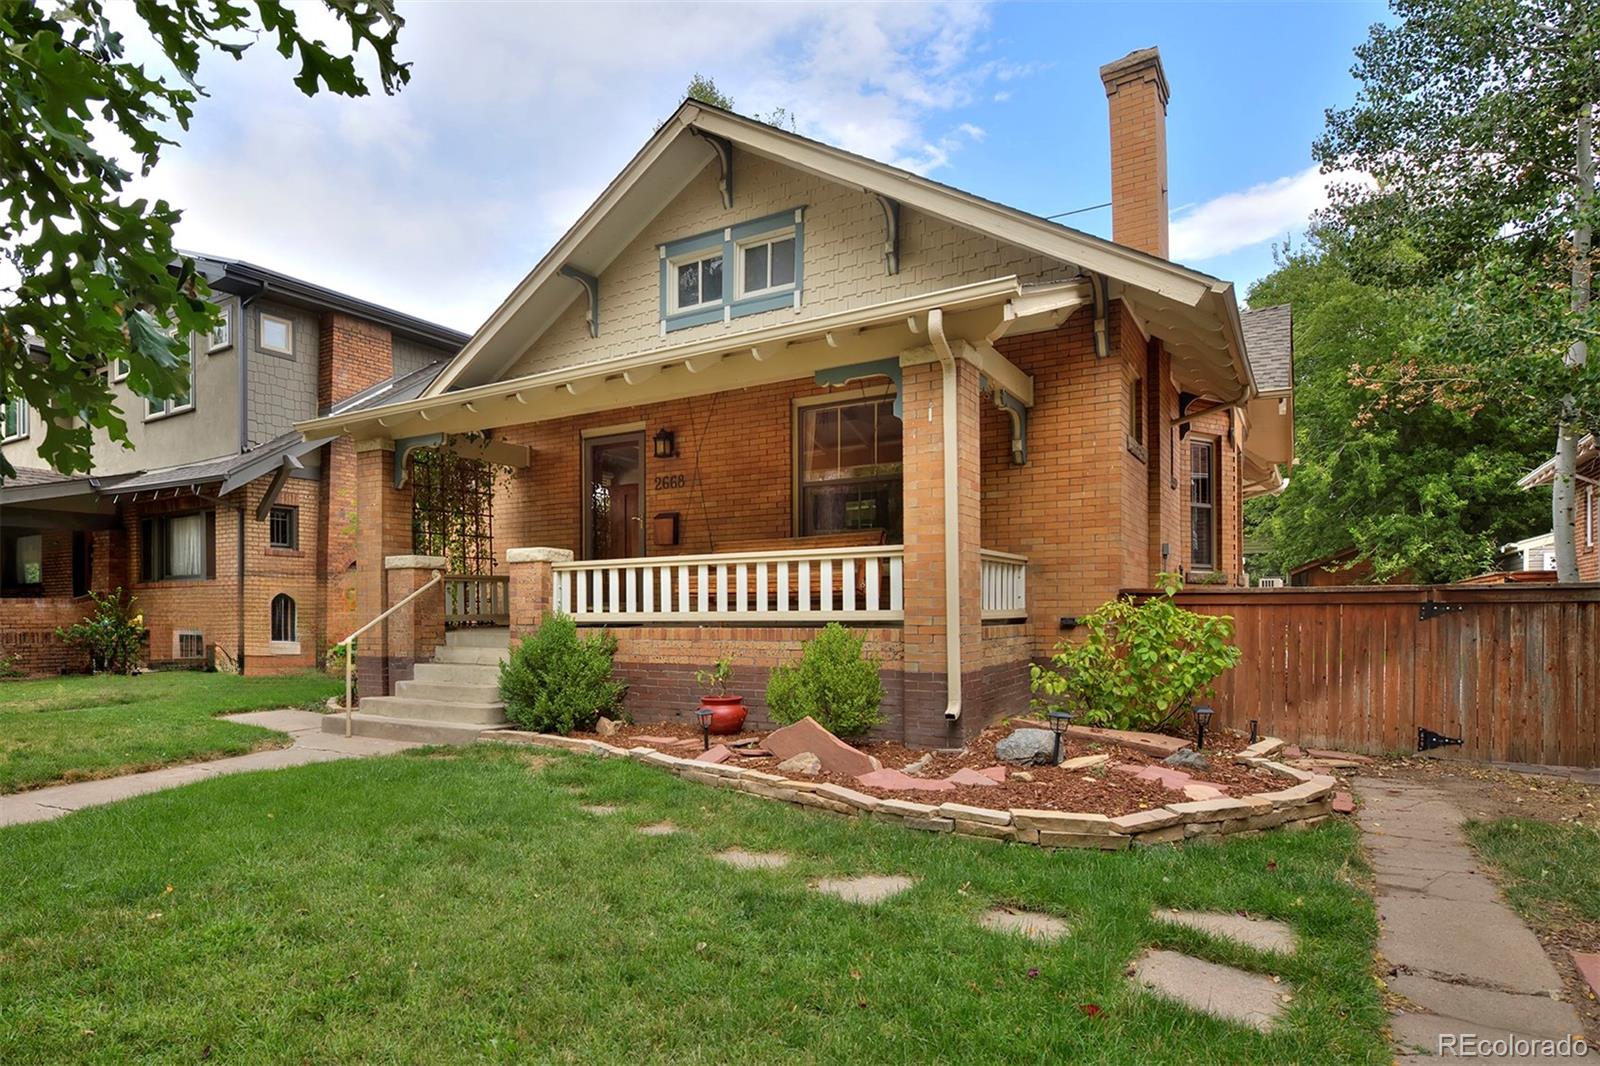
[[440, 199], [1254, 216]]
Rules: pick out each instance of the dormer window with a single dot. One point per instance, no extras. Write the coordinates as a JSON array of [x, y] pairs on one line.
[[766, 264], [763, 257], [699, 282]]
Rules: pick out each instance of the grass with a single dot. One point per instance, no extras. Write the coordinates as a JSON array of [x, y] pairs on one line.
[[74, 728], [448, 906], [1550, 871]]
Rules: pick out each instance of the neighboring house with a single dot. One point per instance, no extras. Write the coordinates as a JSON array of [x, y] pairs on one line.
[[764, 383], [234, 533], [1534, 553], [1586, 515]]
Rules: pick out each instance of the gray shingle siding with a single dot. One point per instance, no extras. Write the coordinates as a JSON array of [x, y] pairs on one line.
[[410, 355], [283, 389]]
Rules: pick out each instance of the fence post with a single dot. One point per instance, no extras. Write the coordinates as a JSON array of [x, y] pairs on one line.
[[532, 586]]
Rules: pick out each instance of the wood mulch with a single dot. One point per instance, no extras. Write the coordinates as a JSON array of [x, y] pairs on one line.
[[1097, 791]]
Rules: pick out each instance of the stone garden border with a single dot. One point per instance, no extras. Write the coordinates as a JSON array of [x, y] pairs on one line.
[[1308, 802]]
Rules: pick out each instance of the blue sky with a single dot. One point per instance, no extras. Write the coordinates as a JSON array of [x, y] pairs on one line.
[[438, 200]]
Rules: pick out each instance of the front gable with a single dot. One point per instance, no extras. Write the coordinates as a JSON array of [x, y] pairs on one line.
[[840, 243]]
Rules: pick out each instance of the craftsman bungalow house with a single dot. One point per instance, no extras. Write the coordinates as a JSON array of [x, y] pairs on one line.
[[235, 534], [764, 383]]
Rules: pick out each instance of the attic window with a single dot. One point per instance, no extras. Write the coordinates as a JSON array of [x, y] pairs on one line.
[[766, 265], [698, 282], [761, 259]]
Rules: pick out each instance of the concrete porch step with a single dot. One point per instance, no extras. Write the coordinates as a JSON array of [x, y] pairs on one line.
[[418, 732], [426, 690], [456, 674], [479, 637], [453, 710], [470, 654]]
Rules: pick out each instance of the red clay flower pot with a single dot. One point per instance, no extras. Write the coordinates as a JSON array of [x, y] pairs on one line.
[[727, 713]]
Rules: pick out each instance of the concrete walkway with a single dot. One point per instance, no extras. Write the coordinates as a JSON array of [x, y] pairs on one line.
[[310, 745], [1460, 954]]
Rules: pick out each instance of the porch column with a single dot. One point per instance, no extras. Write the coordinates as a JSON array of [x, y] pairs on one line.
[[383, 521], [532, 586], [415, 629], [923, 511]]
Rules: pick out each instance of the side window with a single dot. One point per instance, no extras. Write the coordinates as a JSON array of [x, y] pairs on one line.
[[1203, 529], [850, 468], [283, 619], [283, 527], [276, 334]]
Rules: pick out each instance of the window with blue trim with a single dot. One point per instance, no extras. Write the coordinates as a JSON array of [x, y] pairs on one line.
[[742, 270]]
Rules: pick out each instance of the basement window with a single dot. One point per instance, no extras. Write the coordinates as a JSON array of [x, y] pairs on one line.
[[189, 644]]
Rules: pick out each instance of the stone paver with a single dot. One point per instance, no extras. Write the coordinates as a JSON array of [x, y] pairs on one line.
[[309, 745], [1031, 924], [1263, 934], [871, 888], [752, 860], [659, 829], [1588, 964], [598, 808], [1461, 956], [1221, 991]]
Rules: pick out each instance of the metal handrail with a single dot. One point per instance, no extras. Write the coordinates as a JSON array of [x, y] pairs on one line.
[[349, 657]]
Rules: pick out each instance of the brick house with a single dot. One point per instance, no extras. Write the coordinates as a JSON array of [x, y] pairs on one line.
[[235, 534], [1586, 514], [763, 384]]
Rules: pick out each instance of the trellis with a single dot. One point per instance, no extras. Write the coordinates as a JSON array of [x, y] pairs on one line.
[[452, 509]]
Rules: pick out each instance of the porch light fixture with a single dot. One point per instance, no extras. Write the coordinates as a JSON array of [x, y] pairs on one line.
[[1202, 716], [704, 714], [666, 444], [1059, 720]]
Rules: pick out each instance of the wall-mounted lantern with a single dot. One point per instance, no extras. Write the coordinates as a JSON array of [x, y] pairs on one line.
[[666, 444]]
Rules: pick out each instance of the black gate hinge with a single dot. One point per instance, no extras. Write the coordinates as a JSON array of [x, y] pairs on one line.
[[1433, 609], [1427, 739]]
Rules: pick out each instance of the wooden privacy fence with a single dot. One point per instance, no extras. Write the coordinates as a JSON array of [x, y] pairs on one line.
[[1511, 669]]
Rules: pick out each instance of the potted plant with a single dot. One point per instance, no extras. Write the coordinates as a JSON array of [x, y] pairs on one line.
[[727, 712]]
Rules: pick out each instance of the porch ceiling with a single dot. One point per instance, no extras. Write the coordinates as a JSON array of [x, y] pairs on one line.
[[977, 313]]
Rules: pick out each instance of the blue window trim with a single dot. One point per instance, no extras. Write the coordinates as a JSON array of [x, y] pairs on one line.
[[728, 240]]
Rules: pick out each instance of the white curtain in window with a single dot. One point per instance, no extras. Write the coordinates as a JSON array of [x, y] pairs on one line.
[[30, 560], [186, 545]]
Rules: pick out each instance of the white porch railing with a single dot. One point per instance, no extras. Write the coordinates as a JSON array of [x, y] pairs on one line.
[[1005, 585], [471, 599], [815, 585]]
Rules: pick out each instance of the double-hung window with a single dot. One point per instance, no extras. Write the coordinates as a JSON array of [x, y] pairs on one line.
[[176, 547], [698, 282], [14, 420], [766, 264], [172, 405], [850, 468], [1202, 504]]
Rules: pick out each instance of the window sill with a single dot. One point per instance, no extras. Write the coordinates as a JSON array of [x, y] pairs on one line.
[[1136, 449], [275, 352], [172, 582], [283, 647], [287, 553], [214, 349], [164, 415], [749, 305]]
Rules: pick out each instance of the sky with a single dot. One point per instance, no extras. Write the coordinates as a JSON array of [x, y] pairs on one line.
[[438, 200]]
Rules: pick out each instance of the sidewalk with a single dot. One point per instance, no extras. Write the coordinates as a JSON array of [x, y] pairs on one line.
[[310, 745], [1461, 956]]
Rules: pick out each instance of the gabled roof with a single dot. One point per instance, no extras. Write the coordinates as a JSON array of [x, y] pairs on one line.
[[1545, 472], [1185, 301], [1269, 344]]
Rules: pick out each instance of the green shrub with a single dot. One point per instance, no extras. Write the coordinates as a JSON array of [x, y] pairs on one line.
[[555, 683], [833, 683], [1142, 664], [111, 635]]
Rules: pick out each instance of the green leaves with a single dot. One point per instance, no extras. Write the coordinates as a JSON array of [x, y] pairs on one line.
[[1140, 665], [89, 278], [833, 682]]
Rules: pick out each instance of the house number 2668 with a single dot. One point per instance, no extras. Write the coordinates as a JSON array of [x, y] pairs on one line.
[[671, 481]]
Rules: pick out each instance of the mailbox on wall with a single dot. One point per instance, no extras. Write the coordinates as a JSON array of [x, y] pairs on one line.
[[665, 529]]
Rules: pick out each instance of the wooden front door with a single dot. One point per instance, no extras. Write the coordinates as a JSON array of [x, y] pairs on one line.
[[613, 515]]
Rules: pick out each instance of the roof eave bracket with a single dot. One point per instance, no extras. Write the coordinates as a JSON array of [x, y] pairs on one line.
[[1017, 411], [839, 376], [1097, 285], [403, 449], [724, 150], [891, 233], [591, 286]]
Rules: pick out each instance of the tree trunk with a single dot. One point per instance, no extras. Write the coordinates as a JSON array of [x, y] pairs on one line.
[[1564, 489]]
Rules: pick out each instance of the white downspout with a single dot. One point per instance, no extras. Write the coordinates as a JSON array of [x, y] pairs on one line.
[[952, 517]]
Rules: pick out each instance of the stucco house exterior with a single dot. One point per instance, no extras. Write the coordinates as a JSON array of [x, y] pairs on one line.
[[236, 535], [764, 383]]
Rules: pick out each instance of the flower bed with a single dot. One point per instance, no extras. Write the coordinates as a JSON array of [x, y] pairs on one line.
[[1279, 796]]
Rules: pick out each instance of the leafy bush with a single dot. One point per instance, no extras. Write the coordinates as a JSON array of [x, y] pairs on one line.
[[1142, 664], [555, 682], [833, 683], [9, 670], [111, 635]]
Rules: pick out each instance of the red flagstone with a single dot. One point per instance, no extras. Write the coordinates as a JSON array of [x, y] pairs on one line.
[[996, 772], [1166, 776], [1328, 753], [968, 776], [716, 753], [808, 735], [656, 740], [1588, 964], [1343, 803], [896, 780], [751, 753]]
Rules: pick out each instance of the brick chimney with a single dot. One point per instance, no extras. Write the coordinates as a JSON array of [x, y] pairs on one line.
[[1136, 92]]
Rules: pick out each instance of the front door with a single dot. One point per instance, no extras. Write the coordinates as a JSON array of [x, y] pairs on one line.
[[613, 516]]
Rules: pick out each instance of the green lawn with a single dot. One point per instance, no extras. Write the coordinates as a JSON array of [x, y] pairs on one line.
[[72, 728], [1551, 872], [458, 905]]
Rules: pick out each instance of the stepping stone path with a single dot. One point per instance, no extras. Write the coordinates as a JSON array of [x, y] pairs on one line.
[[872, 888], [1221, 991], [1031, 924], [752, 860], [660, 829], [598, 808], [1259, 933]]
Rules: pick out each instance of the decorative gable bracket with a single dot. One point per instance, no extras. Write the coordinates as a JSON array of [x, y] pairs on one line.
[[891, 233], [591, 285], [724, 150], [838, 376]]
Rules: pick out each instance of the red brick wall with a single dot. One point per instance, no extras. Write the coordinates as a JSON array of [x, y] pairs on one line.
[[28, 634], [295, 572], [1221, 426], [336, 549], [1137, 99], [353, 354], [1585, 535]]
